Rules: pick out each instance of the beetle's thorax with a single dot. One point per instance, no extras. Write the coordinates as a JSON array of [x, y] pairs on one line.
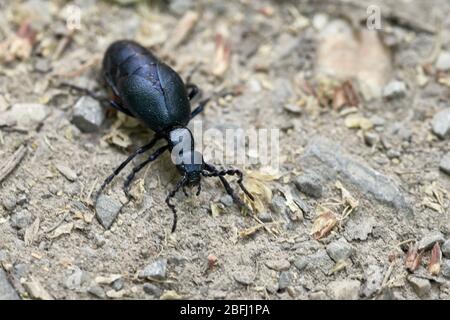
[[188, 161]]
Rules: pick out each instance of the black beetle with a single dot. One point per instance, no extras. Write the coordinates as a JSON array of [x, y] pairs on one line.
[[151, 91]]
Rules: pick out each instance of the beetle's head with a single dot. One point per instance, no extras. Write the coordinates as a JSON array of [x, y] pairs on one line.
[[188, 161]]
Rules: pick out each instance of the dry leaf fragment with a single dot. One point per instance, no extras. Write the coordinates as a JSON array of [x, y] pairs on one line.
[[182, 30], [216, 209], [413, 258], [249, 231], [118, 138], [170, 295], [36, 290], [222, 55], [31, 232], [434, 267], [18, 46], [324, 223], [212, 261], [62, 229]]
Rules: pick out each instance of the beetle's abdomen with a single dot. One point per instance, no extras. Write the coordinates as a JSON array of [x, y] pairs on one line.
[[148, 88]]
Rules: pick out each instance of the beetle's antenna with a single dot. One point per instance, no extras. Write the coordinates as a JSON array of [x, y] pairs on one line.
[[213, 172], [179, 185]]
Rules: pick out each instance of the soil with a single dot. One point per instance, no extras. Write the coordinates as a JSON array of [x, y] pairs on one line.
[[278, 52]]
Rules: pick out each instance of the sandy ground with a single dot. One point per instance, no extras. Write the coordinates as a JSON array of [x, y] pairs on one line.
[[359, 182]]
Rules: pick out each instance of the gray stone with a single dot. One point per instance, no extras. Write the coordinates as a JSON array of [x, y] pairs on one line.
[[265, 217], [151, 289], [300, 263], [371, 138], [88, 114], [244, 276], [107, 210], [278, 204], [21, 269], [326, 159], [22, 199], [75, 279], [97, 291], [7, 291], [444, 165], [285, 280], [427, 242], [309, 184], [156, 270], [344, 289], [421, 286], [340, 250], [374, 279], [68, 173], [26, 115], [118, 284], [445, 268], [359, 228], [320, 261], [226, 200], [278, 265], [441, 124], [443, 61], [394, 89], [21, 219], [446, 249]]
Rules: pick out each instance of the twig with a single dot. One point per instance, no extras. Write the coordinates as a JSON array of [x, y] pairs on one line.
[[12, 162]]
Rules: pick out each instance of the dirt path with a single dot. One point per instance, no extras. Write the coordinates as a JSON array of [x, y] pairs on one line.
[[363, 136]]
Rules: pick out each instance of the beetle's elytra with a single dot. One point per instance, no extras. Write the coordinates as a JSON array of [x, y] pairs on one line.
[[151, 91]]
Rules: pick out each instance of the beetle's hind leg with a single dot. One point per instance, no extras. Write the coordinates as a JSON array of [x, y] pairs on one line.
[[192, 90], [179, 185], [136, 169], [200, 107], [123, 164]]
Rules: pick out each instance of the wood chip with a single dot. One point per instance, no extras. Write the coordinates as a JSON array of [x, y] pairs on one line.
[[12, 162]]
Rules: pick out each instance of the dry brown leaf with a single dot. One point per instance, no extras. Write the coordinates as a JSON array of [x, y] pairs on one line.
[[323, 224], [107, 279], [18, 46], [413, 258], [118, 138], [347, 198], [256, 184], [434, 267]]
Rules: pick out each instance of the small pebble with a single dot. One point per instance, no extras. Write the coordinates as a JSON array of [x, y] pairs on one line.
[[151, 289], [68, 173], [107, 210], [394, 89], [226, 200], [370, 138], [446, 249], [345, 289], [244, 277], [428, 241], [445, 268], [21, 219], [97, 291], [118, 284], [157, 270], [421, 286], [340, 250], [278, 265], [9, 202], [284, 280], [301, 263], [441, 124], [444, 165], [88, 114], [443, 61]]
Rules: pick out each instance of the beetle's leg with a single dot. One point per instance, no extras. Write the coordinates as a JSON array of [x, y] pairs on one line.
[[185, 191], [123, 164], [179, 185], [118, 106], [192, 90], [213, 172], [200, 107], [240, 175], [136, 169], [85, 91]]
